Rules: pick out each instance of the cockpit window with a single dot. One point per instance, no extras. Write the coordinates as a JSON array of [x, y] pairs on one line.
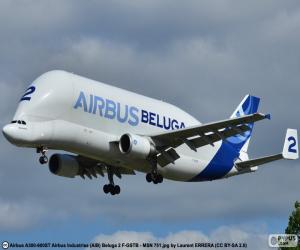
[[19, 122]]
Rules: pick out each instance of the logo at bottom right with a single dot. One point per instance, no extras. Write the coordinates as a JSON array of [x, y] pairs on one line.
[[283, 240]]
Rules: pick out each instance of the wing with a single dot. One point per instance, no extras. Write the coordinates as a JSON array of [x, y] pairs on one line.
[[92, 168], [198, 136]]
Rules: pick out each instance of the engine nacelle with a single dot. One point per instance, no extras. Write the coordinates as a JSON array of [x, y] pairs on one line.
[[64, 165], [136, 146]]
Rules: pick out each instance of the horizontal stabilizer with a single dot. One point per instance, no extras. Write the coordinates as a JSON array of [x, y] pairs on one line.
[[258, 161], [290, 152]]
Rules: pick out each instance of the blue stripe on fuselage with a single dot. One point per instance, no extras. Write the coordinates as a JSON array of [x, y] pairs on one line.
[[220, 165]]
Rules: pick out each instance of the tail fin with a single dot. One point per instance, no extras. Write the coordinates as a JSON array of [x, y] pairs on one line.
[[249, 105], [290, 148]]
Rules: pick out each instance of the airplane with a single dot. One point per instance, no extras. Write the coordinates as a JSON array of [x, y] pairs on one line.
[[114, 132]]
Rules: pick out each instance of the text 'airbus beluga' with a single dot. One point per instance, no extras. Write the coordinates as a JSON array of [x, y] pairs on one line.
[[116, 132]]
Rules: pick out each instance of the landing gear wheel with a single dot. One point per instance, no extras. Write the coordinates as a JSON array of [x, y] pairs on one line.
[[159, 178], [111, 187], [148, 177], [106, 189], [155, 181], [112, 192], [43, 159], [43, 150], [154, 177], [117, 189]]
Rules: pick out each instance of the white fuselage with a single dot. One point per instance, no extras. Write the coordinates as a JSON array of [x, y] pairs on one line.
[[68, 112]]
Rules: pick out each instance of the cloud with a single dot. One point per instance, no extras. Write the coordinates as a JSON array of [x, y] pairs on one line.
[[19, 215], [30, 18], [9, 101], [201, 56], [224, 234]]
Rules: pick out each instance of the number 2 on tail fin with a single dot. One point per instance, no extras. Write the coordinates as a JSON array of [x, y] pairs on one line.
[[292, 148]]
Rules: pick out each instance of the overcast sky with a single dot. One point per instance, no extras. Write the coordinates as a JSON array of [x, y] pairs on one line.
[[203, 56]]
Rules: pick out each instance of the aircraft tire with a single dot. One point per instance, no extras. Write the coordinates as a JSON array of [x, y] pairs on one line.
[[113, 192], [106, 189], [148, 177], [159, 178], [43, 159], [117, 189], [155, 181]]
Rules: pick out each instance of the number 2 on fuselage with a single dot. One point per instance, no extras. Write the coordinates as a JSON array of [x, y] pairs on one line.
[[27, 95]]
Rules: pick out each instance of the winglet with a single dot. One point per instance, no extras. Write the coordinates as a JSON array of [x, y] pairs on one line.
[[290, 148]]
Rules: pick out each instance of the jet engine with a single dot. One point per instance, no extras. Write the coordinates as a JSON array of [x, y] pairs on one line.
[[136, 146], [64, 165]]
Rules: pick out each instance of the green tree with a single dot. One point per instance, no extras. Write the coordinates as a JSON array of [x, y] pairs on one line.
[[294, 224]]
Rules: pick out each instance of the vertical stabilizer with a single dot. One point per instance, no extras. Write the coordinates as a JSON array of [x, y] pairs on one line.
[[249, 105], [290, 148]]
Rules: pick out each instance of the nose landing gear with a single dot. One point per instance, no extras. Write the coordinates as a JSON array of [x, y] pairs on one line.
[[43, 159], [43, 150]]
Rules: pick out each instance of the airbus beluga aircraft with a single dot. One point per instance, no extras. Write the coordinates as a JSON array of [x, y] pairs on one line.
[[112, 131]]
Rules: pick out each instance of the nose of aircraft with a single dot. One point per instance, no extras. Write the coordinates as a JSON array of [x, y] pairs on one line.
[[9, 131]]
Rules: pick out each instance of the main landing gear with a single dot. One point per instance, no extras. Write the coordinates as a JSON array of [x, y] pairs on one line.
[[111, 187], [43, 150], [154, 176]]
